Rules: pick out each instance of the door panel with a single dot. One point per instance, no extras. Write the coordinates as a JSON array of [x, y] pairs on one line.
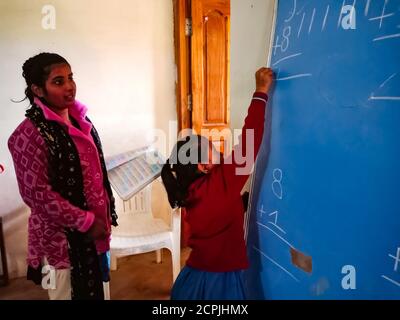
[[210, 68]]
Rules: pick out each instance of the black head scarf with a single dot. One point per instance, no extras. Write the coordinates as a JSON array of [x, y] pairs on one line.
[[180, 170]]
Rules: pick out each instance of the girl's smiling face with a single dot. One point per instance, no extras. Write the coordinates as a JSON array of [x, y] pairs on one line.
[[59, 89]]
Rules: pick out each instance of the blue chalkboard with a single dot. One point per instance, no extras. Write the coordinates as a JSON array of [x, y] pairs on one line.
[[324, 221]]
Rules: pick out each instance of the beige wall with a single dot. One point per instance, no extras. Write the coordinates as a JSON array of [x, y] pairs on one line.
[[251, 24], [122, 55]]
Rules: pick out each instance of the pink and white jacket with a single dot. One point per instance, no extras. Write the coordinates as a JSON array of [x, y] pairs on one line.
[[51, 213]]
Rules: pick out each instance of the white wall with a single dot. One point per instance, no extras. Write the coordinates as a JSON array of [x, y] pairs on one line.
[[122, 56], [251, 24]]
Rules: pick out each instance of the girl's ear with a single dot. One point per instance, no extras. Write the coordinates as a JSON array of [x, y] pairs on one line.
[[37, 91]]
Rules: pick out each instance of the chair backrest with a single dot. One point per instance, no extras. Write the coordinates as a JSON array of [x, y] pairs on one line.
[[135, 215], [140, 203]]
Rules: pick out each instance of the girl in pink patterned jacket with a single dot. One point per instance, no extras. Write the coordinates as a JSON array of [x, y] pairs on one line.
[[62, 177]]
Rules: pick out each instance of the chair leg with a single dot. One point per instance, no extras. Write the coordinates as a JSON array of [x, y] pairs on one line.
[[176, 243], [176, 262], [113, 263], [106, 288], [159, 255]]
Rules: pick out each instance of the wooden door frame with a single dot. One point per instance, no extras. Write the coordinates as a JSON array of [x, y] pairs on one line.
[[182, 10]]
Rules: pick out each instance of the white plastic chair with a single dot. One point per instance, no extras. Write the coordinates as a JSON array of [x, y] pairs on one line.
[[139, 232]]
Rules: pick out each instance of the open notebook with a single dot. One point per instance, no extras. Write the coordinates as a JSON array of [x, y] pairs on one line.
[[131, 171]]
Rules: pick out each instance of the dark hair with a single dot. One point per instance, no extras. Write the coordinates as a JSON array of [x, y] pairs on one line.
[[36, 70], [177, 175]]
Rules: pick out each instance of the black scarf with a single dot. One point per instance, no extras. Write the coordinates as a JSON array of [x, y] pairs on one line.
[[86, 277]]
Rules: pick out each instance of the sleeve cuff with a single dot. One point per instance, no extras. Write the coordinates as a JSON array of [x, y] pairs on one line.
[[87, 223], [260, 96]]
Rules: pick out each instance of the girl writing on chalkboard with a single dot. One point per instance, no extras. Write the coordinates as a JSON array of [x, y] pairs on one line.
[[62, 177], [195, 177]]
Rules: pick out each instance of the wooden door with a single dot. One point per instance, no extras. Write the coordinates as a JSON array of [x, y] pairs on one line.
[[210, 43], [202, 46]]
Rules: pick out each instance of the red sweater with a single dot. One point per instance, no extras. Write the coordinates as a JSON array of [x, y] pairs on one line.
[[215, 213]]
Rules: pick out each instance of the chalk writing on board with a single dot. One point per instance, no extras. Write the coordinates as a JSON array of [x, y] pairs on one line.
[[396, 259], [383, 15], [391, 280], [302, 75], [384, 98], [367, 7], [394, 98], [391, 36], [277, 183], [279, 236], [272, 225], [312, 21], [346, 18], [275, 263], [395, 268], [301, 25], [293, 11], [284, 45], [262, 211], [325, 18], [275, 222], [286, 58], [387, 80]]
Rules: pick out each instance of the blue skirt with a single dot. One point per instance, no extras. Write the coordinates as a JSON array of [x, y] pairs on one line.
[[193, 284]]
